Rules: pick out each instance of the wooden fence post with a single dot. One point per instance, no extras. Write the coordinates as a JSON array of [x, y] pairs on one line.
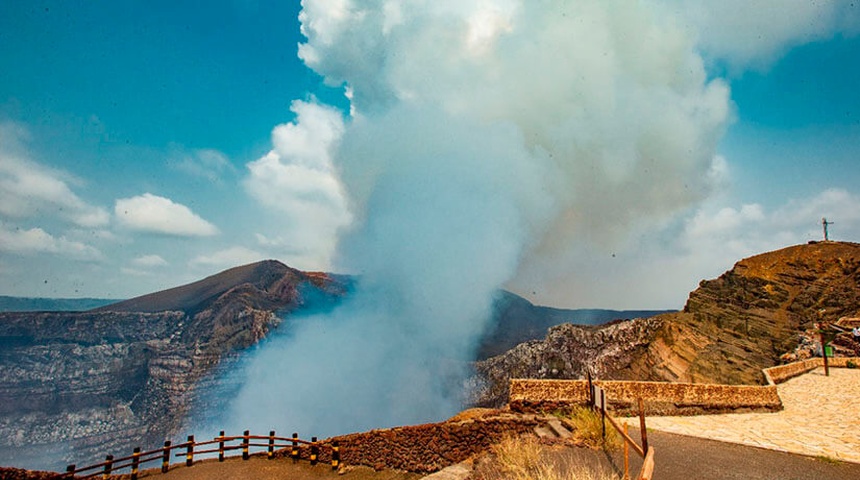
[[165, 457], [626, 455], [294, 453], [108, 467], [590, 388], [603, 412], [642, 429], [245, 442], [189, 451], [315, 451], [70, 471], [135, 462], [221, 446], [335, 455], [271, 444]]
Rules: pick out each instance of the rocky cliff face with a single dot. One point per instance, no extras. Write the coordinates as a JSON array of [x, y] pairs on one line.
[[730, 328], [87, 383], [755, 313], [568, 351]]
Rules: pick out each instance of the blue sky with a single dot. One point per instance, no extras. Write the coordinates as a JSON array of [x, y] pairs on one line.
[[137, 150]]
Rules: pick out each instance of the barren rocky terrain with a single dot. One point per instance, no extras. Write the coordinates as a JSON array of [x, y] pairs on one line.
[[751, 317]]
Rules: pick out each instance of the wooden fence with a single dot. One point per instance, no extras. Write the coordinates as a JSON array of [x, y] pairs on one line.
[[298, 449], [598, 403]]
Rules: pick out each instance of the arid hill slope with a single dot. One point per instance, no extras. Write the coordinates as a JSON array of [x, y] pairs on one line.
[[743, 321], [730, 328]]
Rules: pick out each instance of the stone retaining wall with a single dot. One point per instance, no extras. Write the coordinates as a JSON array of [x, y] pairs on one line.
[[781, 373], [664, 398], [659, 398], [425, 448]]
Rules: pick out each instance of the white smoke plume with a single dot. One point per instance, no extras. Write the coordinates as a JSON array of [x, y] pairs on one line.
[[486, 138]]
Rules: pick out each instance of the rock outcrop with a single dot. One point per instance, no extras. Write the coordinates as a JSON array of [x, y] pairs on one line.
[[730, 329]]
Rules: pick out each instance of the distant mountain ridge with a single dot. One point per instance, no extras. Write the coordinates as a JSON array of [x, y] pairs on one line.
[[517, 320], [35, 304]]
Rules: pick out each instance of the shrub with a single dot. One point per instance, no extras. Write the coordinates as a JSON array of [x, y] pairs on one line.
[[850, 364], [587, 427]]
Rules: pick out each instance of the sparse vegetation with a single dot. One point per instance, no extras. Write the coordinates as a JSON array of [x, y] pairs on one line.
[[524, 458], [586, 426], [826, 459], [850, 364], [517, 456]]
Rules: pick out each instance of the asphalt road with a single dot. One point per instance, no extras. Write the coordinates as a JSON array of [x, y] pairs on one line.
[[679, 457]]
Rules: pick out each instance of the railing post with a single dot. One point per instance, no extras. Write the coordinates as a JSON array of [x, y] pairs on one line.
[[189, 451], [271, 444], [165, 457], [626, 455], [294, 453], [221, 446], [135, 463], [315, 451], [642, 429], [108, 467], [245, 442], [603, 412], [335, 455], [70, 471], [590, 388]]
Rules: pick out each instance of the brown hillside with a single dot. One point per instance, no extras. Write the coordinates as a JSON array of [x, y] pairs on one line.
[[266, 276], [730, 328], [741, 322]]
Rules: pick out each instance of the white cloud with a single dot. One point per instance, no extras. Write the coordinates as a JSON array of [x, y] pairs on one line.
[[228, 258], [151, 213], [298, 182], [755, 34], [148, 261], [209, 164], [37, 241], [29, 189]]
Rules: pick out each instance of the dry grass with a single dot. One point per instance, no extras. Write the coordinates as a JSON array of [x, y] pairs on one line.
[[586, 426], [524, 458], [517, 456]]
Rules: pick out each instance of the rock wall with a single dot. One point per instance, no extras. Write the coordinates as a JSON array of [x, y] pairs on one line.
[[427, 448], [659, 398]]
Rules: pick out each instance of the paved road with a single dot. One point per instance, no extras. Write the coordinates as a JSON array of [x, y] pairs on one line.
[[679, 457], [821, 418]]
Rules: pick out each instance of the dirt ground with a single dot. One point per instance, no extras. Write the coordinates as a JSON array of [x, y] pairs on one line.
[[260, 468]]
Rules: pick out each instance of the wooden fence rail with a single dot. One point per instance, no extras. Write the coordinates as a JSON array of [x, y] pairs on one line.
[[598, 403], [190, 448]]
